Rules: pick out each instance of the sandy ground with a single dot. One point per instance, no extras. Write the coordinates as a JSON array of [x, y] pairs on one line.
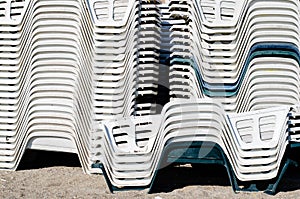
[[62, 177]]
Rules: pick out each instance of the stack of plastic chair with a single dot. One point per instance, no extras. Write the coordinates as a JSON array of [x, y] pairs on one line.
[[252, 143], [148, 57], [115, 57], [47, 74], [220, 45], [126, 62], [60, 80], [115, 67]]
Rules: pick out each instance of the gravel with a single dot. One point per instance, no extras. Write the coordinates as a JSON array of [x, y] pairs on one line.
[[62, 177]]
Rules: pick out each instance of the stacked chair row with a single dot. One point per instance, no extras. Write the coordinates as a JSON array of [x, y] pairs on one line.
[[241, 58], [68, 65], [92, 77], [251, 145], [244, 53]]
